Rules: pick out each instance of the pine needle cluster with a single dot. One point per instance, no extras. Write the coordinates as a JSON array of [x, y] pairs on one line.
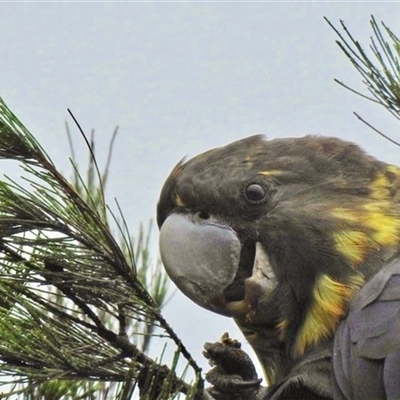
[[378, 65], [76, 310]]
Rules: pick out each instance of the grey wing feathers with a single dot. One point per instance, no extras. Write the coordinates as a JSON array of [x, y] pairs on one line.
[[366, 353]]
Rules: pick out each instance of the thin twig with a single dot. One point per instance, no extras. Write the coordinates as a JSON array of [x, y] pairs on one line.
[[376, 130]]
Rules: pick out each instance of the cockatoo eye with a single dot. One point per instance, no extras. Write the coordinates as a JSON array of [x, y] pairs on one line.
[[254, 192]]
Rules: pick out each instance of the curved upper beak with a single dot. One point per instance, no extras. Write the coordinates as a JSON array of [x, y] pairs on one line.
[[203, 258]]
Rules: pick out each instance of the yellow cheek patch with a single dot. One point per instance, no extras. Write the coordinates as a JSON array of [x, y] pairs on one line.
[[328, 306]]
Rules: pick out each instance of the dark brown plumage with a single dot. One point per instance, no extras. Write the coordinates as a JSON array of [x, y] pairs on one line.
[[282, 235]]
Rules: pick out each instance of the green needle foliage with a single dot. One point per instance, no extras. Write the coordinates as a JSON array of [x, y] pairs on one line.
[[379, 66], [77, 309]]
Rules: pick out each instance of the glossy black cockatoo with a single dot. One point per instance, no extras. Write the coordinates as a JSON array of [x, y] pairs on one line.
[[299, 241]]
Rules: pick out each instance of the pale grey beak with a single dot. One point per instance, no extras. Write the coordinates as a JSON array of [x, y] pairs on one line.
[[203, 258]]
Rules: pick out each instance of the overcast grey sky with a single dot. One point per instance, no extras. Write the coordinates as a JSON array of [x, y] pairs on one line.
[[179, 78]]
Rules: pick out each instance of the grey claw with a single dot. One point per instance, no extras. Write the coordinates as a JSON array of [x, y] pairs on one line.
[[240, 384]]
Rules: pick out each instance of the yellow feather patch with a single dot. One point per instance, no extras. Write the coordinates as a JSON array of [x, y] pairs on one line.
[[328, 306], [352, 245], [382, 217], [369, 225], [386, 183], [379, 187], [393, 169], [383, 222]]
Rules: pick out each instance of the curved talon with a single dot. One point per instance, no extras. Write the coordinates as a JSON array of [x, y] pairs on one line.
[[247, 384], [230, 383], [222, 381]]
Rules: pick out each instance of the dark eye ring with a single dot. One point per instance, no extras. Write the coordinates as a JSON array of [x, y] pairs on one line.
[[255, 192]]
